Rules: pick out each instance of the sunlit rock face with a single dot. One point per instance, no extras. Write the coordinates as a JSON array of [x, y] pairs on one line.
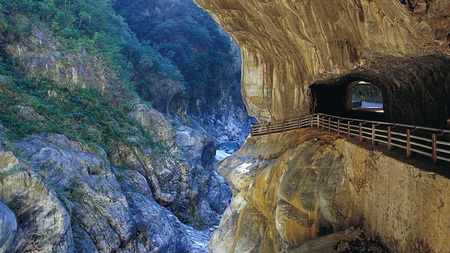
[[288, 46], [290, 188]]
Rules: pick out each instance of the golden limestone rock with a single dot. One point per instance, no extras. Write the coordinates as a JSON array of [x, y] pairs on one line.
[[289, 46], [293, 191], [303, 56]]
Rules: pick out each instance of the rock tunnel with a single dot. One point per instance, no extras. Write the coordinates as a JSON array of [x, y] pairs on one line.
[[415, 91], [337, 100], [305, 56], [292, 49]]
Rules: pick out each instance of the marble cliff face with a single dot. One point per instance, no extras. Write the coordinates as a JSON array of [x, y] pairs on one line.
[[293, 190], [303, 56], [290, 46]]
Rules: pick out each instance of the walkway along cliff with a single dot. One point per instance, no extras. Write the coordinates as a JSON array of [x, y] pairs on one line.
[[430, 142], [292, 187], [304, 57]]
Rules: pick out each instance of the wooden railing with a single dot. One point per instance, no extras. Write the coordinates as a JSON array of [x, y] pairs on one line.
[[430, 142]]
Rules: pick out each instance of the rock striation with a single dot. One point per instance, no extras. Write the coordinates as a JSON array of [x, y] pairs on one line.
[[306, 56], [290, 47], [152, 189], [35, 207], [293, 187], [64, 196]]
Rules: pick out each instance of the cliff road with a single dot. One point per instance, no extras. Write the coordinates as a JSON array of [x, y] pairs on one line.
[[302, 57]]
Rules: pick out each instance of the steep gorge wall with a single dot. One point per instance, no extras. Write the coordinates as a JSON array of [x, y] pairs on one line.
[[296, 186], [287, 46], [291, 188], [87, 188]]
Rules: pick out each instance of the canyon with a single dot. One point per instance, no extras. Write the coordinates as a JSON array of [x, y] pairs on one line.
[[89, 165]]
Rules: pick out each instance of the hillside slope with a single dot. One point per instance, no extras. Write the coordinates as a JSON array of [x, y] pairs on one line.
[[89, 164]]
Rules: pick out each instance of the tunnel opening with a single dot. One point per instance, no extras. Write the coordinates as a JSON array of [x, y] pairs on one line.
[[361, 99], [414, 92], [365, 97]]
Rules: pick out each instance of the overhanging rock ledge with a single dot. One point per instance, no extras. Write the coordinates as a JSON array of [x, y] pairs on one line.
[[288, 46]]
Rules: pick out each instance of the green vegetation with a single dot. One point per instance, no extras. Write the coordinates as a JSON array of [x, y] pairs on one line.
[[139, 43], [36, 106], [369, 93], [6, 174], [89, 24], [186, 36]]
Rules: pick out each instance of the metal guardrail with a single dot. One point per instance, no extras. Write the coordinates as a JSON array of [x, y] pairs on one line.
[[356, 103], [430, 142]]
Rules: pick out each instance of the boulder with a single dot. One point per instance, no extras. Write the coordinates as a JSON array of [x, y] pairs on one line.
[[84, 181], [199, 147]]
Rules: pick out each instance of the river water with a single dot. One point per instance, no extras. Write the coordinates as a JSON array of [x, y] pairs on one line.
[[226, 149]]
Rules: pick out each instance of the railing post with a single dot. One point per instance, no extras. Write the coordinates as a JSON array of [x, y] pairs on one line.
[[434, 147], [338, 126], [408, 142], [311, 121], [323, 123], [348, 129], [329, 124], [360, 132], [268, 128], [318, 121], [299, 122], [373, 134], [389, 137], [283, 126], [252, 128]]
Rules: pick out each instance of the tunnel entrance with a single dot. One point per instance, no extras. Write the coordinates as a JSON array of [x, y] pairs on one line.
[[349, 98], [414, 92]]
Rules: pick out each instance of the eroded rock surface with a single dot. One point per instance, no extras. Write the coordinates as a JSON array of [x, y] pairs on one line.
[[289, 46], [64, 196], [43, 223], [293, 187]]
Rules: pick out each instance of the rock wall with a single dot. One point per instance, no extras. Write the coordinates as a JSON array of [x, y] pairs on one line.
[[59, 195], [41, 54], [151, 191], [288, 46], [293, 187]]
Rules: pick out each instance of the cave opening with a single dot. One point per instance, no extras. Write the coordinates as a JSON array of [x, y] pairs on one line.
[[352, 98]]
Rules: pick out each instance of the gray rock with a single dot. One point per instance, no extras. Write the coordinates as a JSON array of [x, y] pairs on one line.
[[83, 179], [177, 185], [156, 124], [2, 128], [219, 194], [154, 224], [198, 146], [83, 241], [104, 208], [28, 112], [8, 227], [44, 223]]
